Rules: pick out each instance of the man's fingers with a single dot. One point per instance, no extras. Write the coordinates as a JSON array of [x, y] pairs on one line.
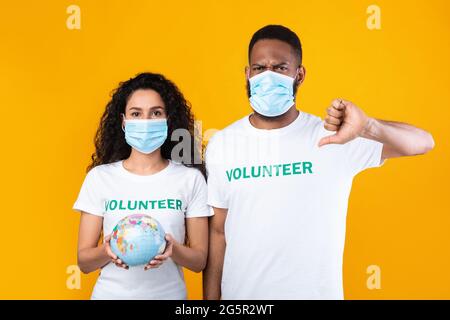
[[332, 120], [330, 127], [335, 113], [338, 104]]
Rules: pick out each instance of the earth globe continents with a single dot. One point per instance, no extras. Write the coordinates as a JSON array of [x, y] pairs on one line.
[[137, 239]]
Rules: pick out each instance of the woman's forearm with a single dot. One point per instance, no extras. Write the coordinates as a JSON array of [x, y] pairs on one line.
[[91, 259], [190, 258]]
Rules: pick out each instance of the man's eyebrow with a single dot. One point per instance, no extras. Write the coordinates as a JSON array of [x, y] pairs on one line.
[[275, 65], [281, 64]]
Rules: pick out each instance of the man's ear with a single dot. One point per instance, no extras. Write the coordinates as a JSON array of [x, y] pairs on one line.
[[247, 72], [301, 74]]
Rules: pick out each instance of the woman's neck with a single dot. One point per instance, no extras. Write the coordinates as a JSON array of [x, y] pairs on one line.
[[145, 164]]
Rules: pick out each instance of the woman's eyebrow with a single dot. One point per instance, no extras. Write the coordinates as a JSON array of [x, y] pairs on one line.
[[135, 108]]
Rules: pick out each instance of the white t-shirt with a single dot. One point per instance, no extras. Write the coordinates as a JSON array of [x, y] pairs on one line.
[[287, 204], [171, 195]]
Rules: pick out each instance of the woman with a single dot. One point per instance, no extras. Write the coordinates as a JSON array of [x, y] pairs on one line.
[[133, 165]]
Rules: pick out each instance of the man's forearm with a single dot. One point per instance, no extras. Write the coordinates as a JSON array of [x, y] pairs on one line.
[[399, 139], [212, 276]]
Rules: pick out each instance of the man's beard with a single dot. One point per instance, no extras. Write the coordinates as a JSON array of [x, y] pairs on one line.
[[266, 118]]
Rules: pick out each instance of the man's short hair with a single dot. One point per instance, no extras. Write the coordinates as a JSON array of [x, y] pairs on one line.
[[277, 32]]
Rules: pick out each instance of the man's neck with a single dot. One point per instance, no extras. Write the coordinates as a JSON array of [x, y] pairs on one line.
[[284, 120]]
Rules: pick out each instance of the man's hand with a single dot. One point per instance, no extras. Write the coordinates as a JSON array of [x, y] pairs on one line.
[[398, 139], [346, 119]]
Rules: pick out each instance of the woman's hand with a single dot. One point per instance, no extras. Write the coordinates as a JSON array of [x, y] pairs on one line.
[[114, 259], [159, 259]]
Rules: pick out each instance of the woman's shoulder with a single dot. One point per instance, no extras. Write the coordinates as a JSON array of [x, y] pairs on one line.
[[105, 168]]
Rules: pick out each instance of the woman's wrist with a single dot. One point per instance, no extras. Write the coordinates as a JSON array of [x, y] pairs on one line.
[[104, 251]]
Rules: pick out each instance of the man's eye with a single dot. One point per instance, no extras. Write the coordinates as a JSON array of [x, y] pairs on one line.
[[282, 68], [259, 68]]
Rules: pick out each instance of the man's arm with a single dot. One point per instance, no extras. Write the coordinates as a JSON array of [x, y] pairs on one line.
[[212, 275], [399, 139]]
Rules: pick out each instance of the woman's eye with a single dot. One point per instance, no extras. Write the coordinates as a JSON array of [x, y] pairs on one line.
[[135, 114], [157, 113]]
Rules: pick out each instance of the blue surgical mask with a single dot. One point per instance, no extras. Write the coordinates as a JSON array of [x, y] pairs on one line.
[[145, 135], [271, 93]]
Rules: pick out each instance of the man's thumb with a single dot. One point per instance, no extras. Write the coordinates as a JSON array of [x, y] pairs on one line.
[[328, 140]]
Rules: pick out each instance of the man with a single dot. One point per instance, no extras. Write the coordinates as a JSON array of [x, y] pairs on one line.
[[279, 181]]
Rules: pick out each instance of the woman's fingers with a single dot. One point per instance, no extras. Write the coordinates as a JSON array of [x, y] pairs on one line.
[[169, 237], [109, 252], [153, 264], [119, 263], [159, 259]]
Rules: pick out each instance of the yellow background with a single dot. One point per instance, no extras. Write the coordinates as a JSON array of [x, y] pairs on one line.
[[55, 82]]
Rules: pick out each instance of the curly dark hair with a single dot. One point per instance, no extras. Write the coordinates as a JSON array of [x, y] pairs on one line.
[[110, 144]]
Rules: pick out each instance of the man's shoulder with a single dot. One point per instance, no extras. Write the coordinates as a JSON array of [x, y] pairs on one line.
[[236, 125], [232, 129], [306, 121], [311, 119]]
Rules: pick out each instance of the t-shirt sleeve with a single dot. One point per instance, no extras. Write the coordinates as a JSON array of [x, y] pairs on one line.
[[214, 168], [89, 199], [363, 154], [197, 205]]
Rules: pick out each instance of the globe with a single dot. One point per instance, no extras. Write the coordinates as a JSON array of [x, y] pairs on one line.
[[137, 239]]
